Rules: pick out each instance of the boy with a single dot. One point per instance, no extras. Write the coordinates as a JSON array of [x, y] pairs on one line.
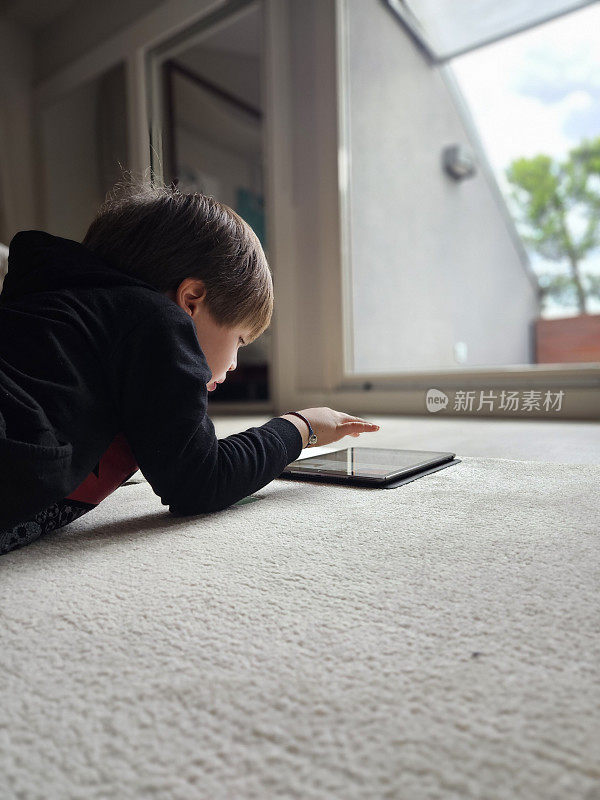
[[108, 349]]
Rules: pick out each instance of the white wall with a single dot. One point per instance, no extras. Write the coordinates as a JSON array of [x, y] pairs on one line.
[[82, 139], [17, 172], [85, 24], [433, 261], [313, 189], [71, 190]]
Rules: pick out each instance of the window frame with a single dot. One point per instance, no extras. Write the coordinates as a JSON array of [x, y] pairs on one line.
[[409, 387]]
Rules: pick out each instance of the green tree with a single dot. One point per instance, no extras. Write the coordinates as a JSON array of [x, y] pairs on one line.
[[557, 208]]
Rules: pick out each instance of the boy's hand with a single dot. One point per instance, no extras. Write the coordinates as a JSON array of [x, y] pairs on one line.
[[329, 425]]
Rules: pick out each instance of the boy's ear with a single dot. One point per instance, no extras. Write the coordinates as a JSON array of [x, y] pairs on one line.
[[190, 293]]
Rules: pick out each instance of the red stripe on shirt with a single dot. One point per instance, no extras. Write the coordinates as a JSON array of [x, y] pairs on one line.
[[115, 467]]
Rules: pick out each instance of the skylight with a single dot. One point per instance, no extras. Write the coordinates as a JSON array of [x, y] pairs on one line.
[[447, 28]]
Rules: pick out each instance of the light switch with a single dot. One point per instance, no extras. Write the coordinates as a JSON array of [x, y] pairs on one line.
[[460, 352]]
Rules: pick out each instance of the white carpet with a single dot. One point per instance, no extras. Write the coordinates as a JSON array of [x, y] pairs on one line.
[[439, 640]]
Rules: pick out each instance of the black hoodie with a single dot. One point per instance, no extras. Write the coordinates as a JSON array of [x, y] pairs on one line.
[[102, 374]]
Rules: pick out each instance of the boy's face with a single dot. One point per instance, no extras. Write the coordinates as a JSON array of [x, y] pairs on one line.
[[219, 344]]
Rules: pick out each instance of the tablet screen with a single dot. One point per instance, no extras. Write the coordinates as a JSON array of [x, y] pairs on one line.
[[368, 462]]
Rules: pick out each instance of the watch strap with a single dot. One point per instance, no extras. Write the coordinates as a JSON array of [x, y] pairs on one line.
[[312, 436]]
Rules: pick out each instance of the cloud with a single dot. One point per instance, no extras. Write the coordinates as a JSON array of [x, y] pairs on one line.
[[549, 70], [552, 86], [562, 67], [537, 91], [583, 123]]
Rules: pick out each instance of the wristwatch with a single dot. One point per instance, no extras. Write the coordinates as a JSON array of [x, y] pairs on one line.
[[312, 436]]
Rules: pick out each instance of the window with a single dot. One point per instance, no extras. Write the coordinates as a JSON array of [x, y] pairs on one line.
[[437, 278]]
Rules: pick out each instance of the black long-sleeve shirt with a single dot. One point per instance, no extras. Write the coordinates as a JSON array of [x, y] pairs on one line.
[[102, 374]]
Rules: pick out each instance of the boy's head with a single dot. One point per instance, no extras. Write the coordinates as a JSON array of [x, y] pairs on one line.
[[198, 252]]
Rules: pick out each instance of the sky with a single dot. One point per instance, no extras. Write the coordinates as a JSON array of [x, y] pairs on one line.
[[537, 92]]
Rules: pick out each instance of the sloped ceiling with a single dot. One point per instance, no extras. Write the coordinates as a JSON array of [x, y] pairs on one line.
[[34, 13]]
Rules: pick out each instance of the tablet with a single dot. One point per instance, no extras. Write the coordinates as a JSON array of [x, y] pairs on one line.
[[365, 465]]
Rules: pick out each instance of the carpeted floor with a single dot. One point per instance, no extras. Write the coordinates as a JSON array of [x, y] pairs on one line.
[[439, 640]]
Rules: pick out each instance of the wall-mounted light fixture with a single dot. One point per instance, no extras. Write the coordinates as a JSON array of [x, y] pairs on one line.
[[458, 162]]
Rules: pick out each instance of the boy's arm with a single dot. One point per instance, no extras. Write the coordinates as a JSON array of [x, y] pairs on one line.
[[159, 376], [301, 425]]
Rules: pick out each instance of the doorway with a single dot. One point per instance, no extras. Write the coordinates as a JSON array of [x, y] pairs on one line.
[[211, 140]]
